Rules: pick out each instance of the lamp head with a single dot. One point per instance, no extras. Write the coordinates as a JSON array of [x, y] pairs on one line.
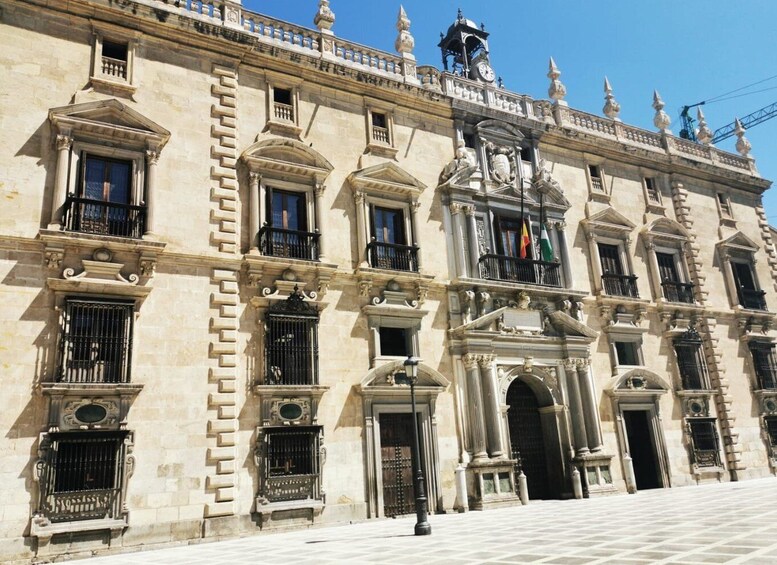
[[411, 368]]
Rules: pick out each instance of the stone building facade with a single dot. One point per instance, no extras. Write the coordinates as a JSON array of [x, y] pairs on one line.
[[223, 234]]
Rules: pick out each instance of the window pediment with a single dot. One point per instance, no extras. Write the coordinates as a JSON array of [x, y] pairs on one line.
[[386, 178], [608, 220], [109, 119], [287, 157], [382, 378], [738, 242], [638, 381], [664, 229]]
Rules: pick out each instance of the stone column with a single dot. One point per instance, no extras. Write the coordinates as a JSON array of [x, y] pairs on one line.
[[728, 273], [563, 252], [472, 237], [253, 210], [64, 143], [491, 405], [414, 206], [152, 158], [361, 228], [596, 264], [655, 273], [319, 216], [475, 402], [590, 412], [458, 239], [576, 408]]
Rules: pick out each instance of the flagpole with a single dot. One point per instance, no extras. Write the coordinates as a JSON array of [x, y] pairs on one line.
[[542, 227]]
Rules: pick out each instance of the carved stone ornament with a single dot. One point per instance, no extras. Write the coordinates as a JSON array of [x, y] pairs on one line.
[[289, 410], [743, 144], [405, 41], [556, 90], [501, 162], [291, 292], [325, 17], [90, 413], [543, 177], [53, 257], [661, 120], [465, 157], [696, 406], [393, 295], [703, 133], [101, 271], [611, 107]]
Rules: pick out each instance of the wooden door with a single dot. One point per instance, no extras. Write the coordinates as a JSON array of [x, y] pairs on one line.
[[396, 437], [527, 440]]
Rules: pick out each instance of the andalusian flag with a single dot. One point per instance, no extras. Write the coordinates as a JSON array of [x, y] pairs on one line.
[[546, 248], [525, 239]]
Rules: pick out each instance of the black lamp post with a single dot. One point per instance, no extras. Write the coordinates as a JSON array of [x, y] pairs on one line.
[[422, 527]]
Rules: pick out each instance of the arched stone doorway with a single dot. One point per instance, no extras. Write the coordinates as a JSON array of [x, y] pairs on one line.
[[534, 438]]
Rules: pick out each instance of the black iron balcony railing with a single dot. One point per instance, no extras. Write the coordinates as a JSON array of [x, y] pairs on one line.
[[515, 269], [678, 292], [106, 218], [620, 285], [752, 299], [392, 256], [279, 242]]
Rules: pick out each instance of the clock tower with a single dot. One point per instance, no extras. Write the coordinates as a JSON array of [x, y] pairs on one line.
[[465, 50]]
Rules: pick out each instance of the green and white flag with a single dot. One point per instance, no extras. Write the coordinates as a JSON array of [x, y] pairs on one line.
[[546, 248]]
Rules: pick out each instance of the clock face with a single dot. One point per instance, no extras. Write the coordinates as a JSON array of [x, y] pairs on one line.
[[485, 71]]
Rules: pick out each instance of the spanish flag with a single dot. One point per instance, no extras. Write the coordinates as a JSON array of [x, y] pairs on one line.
[[525, 239]]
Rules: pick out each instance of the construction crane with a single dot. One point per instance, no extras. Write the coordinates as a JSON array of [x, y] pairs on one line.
[[688, 130]]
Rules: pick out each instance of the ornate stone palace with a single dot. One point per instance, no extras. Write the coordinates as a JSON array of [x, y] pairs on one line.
[[222, 234]]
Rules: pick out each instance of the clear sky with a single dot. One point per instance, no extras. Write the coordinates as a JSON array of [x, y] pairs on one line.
[[689, 50]]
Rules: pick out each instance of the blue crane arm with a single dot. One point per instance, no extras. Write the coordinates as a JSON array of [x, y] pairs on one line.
[[748, 121]]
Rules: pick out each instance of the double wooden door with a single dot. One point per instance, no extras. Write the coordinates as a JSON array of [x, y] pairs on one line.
[[396, 453]]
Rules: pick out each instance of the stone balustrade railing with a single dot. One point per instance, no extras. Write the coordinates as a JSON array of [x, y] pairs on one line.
[[326, 45]]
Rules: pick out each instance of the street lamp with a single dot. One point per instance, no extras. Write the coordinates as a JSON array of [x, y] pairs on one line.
[[422, 527]]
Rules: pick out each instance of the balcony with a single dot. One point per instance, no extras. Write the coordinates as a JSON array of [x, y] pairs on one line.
[[620, 285], [279, 242], [514, 269], [115, 68], [284, 112], [392, 256], [752, 299], [85, 215], [380, 134], [678, 292]]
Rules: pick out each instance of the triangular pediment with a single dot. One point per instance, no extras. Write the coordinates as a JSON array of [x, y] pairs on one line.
[[108, 118], [386, 177], [741, 242], [608, 220], [287, 157], [569, 326], [484, 322]]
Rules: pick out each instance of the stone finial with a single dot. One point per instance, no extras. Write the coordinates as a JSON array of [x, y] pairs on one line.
[[325, 17], [661, 120], [743, 144], [703, 133], [611, 107], [405, 42], [556, 90]]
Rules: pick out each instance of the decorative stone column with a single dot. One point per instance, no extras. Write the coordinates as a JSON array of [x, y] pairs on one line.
[[458, 239], [475, 402], [655, 272], [596, 264], [728, 273], [563, 251], [319, 216], [64, 143], [253, 210], [576, 408], [361, 227], [491, 405], [588, 399], [472, 238], [152, 158], [414, 206]]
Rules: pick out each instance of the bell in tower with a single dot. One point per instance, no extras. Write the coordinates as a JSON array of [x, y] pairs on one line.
[[465, 50]]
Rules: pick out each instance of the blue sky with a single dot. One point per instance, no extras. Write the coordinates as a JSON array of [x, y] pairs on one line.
[[689, 50]]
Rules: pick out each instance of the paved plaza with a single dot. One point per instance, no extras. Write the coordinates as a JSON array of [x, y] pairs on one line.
[[718, 523]]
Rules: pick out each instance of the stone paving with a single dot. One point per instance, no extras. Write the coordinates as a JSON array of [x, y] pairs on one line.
[[719, 523]]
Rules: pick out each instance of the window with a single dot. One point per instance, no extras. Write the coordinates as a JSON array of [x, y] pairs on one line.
[[704, 440], [765, 363], [380, 132], [771, 430], [651, 188], [82, 475], [394, 342], [285, 234], [96, 341], [595, 175], [388, 248], [112, 60], [690, 361], [380, 128], [627, 353], [283, 105], [614, 280], [673, 289], [291, 466], [747, 290], [724, 205], [291, 343], [526, 164]]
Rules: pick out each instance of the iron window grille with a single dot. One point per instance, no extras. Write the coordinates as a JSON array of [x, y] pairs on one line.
[[705, 442], [291, 342], [690, 361], [96, 343], [765, 363], [292, 464], [771, 430], [82, 476]]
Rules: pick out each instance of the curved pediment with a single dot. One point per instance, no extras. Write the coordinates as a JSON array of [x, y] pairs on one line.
[[497, 128], [666, 227], [108, 119], [608, 220], [739, 242], [382, 377], [386, 178], [287, 156], [638, 380]]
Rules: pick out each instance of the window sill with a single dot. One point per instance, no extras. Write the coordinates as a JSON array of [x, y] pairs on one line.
[[42, 528], [264, 507], [381, 150], [88, 241], [287, 129], [112, 85]]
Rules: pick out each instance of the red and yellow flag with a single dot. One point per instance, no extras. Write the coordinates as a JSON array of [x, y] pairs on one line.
[[525, 240]]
